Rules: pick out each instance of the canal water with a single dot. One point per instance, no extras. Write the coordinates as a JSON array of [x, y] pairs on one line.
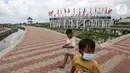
[[11, 39]]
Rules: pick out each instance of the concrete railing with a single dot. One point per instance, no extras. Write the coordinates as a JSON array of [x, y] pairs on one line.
[[110, 42], [2, 53], [5, 33], [77, 39], [102, 45]]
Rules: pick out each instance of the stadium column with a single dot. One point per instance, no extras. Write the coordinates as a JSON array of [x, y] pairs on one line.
[[96, 22], [77, 24], [99, 23], [67, 23], [84, 23], [105, 23], [92, 23], [109, 24], [89, 23], [71, 22], [58, 23], [102, 22], [54, 23], [50, 23], [64, 23]]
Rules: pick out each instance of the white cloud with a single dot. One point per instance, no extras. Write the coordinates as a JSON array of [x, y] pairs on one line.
[[19, 10]]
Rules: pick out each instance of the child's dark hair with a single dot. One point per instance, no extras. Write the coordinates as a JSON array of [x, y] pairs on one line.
[[69, 31], [86, 42]]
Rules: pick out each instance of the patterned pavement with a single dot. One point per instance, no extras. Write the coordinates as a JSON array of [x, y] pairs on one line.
[[40, 52]]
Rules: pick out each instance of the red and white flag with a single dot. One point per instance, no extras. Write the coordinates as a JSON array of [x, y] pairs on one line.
[[65, 11], [76, 15], [91, 11], [54, 15], [61, 14], [95, 10], [106, 10], [109, 11], [84, 11], [102, 10], [68, 10], [79, 12], [87, 14], [50, 13], [57, 11], [73, 11], [99, 11]]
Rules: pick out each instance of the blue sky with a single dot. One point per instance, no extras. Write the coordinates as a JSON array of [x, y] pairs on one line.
[[5, 1], [16, 11]]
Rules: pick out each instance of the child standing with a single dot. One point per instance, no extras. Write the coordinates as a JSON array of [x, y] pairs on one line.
[[85, 63], [70, 47]]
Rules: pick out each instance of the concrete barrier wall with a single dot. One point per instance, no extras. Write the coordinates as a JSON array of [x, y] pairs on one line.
[[2, 53], [116, 40], [5, 33]]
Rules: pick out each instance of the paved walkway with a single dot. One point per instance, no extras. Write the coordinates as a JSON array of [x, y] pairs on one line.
[[40, 52]]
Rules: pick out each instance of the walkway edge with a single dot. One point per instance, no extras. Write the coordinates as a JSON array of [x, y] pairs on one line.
[[102, 45], [97, 45], [110, 42], [2, 53]]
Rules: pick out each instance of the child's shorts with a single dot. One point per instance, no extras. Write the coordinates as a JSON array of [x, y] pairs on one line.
[[69, 51]]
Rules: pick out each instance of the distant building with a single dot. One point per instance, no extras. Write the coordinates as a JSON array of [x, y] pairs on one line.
[[81, 22], [30, 20], [125, 21]]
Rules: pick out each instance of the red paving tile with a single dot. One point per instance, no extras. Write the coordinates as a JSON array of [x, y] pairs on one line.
[[123, 67], [38, 37], [41, 41], [30, 55], [106, 57], [33, 49], [116, 50], [121, 44], [28, 63], [47, 68], [124, 47]]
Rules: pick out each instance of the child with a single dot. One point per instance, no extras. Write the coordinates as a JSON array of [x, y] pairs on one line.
[[70, 47], [85, 63]]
